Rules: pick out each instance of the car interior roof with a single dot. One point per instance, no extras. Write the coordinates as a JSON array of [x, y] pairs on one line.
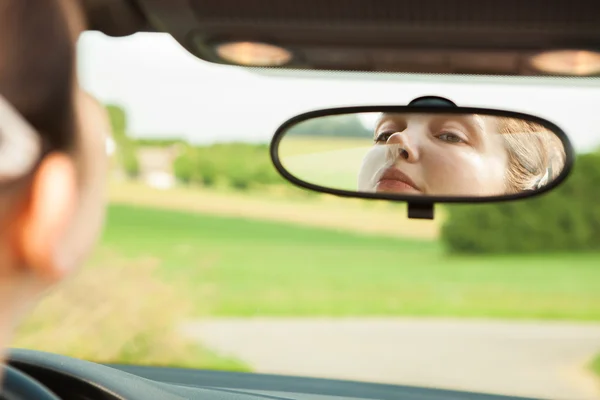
[[486, 37]]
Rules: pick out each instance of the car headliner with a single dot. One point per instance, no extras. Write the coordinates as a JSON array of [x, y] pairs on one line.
[[440, 36]]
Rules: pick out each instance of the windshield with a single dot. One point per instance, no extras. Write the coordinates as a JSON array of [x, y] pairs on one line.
[[211, 260]]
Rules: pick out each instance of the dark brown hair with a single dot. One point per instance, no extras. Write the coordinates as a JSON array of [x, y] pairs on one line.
[[37, 67]]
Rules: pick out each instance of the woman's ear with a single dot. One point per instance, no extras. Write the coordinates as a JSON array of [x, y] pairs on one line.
[[42, 222]]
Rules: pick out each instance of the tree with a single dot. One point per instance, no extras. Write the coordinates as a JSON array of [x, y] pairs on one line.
[[183, 166], [126, 149], [118, 121], [129, 159], [346, 125]]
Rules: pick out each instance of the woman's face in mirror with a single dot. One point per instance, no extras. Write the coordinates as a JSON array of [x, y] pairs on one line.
[[442, 154]]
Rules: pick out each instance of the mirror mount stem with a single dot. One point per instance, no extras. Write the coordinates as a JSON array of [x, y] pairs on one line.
[[420, 210]]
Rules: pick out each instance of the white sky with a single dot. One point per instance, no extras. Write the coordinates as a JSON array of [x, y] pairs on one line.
[[168, 92]]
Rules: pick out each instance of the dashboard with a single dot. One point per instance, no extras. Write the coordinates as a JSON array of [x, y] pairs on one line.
[[75, 379]]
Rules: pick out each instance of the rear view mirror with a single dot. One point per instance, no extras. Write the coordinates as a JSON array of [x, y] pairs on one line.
[[422, 155]]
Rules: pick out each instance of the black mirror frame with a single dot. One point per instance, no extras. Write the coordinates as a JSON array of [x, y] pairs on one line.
[[420, 203]]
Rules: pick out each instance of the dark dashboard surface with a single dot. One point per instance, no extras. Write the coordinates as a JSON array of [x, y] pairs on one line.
[[301, 387], [75, 379]]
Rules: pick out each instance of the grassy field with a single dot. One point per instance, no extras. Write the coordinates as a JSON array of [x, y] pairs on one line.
[[244, 267], [156, 268], [334, 169], [329, 162], [302, 145], [119, 310], [285, 204], [596, 366]]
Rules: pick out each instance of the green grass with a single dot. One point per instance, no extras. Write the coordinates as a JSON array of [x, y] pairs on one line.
[[211, 360], [596, 366], [119, 310], [335, 169], [301, 145], [237, 267], [329, 162]]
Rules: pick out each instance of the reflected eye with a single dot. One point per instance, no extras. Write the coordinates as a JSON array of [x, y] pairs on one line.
[[451, 137], [384, 136]]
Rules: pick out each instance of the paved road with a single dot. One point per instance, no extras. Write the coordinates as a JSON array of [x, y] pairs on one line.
[[540, 360]]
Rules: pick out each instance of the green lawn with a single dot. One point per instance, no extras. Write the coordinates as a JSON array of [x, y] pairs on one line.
[[302, 145], [329, 162], [333, 169], [119, 310], [596, 366], [237, 267]]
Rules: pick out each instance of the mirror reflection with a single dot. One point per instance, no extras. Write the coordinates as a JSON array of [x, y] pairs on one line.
[[425, 154]]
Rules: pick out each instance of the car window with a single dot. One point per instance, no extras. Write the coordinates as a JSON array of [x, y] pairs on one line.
[[211, 260]]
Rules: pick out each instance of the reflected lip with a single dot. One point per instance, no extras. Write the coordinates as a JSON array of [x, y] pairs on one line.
[[394, 174]]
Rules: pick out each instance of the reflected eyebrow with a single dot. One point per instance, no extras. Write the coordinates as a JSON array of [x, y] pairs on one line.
[[383, 118], [378, 122], [474, 123]]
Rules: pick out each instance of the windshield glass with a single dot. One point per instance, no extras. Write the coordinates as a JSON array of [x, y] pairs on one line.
[[211, 260]]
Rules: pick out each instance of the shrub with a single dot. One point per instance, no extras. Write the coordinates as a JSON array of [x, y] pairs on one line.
[[345, 125], [159, 142], [205, 171], [126, 149], [596, 366], [127, 153], [240, 165], [135, 321], [183, 166], [565, 219], [118, 120]]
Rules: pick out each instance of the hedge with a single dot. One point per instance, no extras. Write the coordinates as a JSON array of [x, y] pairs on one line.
[[565, 219], [239, 165]]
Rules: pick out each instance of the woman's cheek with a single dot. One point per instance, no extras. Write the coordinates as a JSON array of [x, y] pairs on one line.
[[457, 173], [373, 162], [487, 171]]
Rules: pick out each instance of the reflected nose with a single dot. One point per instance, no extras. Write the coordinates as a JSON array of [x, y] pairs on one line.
[[402, 147]]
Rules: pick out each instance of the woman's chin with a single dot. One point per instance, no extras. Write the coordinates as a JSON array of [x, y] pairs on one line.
[[394, 186]]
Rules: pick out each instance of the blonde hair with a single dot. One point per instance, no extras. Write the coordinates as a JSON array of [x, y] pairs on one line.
[[536, 156]]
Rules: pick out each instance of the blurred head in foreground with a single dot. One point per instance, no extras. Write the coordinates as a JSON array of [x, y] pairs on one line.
[[52, 154]]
